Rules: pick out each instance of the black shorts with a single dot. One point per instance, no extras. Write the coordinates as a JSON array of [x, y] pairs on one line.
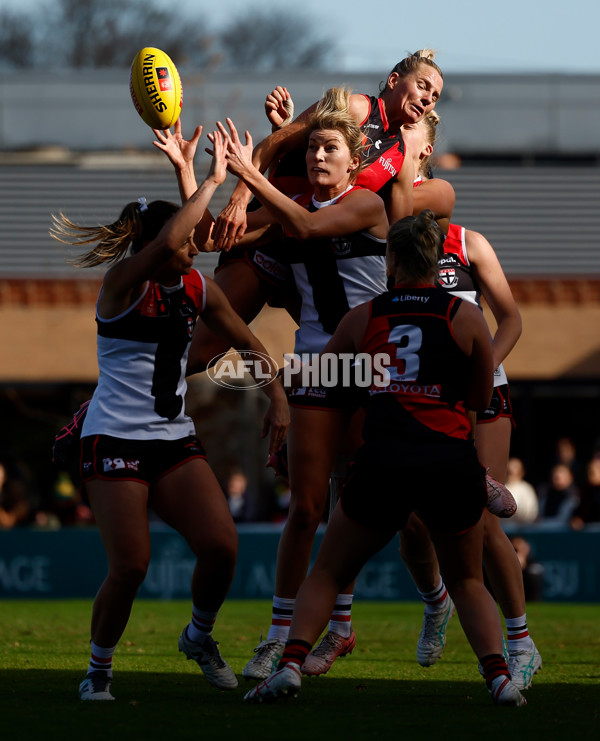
[[500, 406], [327, 398], [115, 459], [448, 495]]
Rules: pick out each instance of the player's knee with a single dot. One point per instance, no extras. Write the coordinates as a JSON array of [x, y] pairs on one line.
[[493, 534], [305, 515], [130, 574], [415, 541], [221, 550], [225, 554]]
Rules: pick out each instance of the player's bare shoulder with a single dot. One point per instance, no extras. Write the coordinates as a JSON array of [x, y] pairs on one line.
[[359, 107]]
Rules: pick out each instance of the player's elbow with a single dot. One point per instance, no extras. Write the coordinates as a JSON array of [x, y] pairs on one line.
[[304, 231], [171, 245], [518, 324]]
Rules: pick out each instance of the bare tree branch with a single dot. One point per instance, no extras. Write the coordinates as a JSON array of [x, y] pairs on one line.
[[16, 39], [271, 39], [108, 33]]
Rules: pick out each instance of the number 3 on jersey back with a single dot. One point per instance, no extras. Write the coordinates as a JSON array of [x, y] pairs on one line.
[[408, 340]]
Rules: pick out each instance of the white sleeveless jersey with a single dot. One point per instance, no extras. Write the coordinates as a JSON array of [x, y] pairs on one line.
[[142, 358], [333, 275]]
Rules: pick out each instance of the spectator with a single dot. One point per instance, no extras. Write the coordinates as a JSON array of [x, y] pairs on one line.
[[238, 496], [558, 497], [589, 507], [68, 503], [14, 505], [523, 492], [62, 505], [566, 452]]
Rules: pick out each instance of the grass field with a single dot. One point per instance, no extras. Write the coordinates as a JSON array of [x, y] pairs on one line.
[[377, 693]]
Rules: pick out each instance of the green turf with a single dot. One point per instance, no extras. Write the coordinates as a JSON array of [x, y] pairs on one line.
[[377, 693]]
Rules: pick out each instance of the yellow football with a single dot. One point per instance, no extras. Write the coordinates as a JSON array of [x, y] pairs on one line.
[[155, 88]]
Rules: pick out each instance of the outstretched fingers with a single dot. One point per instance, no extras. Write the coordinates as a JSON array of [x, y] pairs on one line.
[[223, 131], [218, 168], [235, 136], [196, 135], [218, 143], [232, 135]]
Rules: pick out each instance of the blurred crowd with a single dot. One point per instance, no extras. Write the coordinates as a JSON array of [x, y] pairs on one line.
[[22, 503], [568, 497]]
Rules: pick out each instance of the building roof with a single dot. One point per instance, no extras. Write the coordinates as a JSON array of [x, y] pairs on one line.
[[91, 109]]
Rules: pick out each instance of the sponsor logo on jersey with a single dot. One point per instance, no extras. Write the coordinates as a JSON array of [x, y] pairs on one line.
[[270, 266], [414, 389], [298, 392], [387, 166], [446, 260], [419, 299]]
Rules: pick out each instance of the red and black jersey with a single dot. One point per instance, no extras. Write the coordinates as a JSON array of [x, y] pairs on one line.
[[382, 157], [455, 271], [161, 314], [384, 149], [423, 405], [456, 275]]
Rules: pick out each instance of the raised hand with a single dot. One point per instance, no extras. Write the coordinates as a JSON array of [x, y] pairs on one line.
[[279, 107], [180, 151], [230, 225], [218, 165], [239, 156]]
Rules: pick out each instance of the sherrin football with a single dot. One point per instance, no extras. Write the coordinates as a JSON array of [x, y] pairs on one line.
[[155, 88]]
